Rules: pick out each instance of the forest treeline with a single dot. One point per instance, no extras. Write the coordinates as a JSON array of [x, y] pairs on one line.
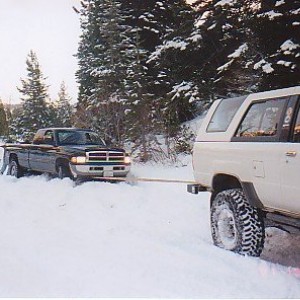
[[146, 67]]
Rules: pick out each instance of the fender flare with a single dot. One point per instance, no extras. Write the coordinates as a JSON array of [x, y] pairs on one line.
[[251, 194]]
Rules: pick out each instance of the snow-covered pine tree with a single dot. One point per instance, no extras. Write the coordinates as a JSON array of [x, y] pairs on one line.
[[174, 65], [119, 84], [102, 68], [143, 32], [228, 46], [3, 121], [151, 22], [13, 114], [87, 51], [278, 28], [117, 39], [63, 108], [35, 109], [140, 102]]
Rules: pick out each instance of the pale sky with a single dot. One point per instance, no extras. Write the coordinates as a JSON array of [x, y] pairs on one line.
[[48, 27], [51, 29]]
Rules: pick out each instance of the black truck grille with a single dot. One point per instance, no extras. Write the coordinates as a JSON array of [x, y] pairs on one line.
[[105, 156]]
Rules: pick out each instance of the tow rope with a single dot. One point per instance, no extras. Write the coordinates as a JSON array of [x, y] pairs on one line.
[[133, 179]]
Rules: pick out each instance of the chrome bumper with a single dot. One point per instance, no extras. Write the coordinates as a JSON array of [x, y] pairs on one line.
[[99, 170]]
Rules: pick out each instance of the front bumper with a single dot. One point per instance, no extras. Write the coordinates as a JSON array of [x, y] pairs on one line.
[[91, 170]]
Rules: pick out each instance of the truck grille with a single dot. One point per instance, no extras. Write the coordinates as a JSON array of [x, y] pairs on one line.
[[105, 156]]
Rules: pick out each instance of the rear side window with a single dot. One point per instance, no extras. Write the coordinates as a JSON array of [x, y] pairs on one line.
[[296, 131], [262, 119], [224, 114]]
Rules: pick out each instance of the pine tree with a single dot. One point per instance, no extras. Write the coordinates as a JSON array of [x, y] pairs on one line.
[[123, 92], [175, 66], [227, 47], [63, 108], [35, 109], [278, 29], [253, 45], [102, 57], [112, 48], [140, 103], [3, 121]]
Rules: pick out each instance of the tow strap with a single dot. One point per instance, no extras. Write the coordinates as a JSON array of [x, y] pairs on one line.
[[133, 179]]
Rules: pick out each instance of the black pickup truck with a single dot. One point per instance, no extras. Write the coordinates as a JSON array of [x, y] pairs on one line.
[[66, 152]]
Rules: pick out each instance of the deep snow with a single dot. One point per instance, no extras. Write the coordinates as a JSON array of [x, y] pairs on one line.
[[120, 240]]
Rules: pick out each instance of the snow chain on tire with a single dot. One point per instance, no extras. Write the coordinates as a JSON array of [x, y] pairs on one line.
[[235, 224]]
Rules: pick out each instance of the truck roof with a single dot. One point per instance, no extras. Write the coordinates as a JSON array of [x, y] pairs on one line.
[[65, 128]]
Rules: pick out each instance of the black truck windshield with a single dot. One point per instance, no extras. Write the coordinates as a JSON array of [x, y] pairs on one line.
[[80, 137]]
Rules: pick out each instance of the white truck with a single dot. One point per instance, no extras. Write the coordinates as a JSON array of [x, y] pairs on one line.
[[247, 153]]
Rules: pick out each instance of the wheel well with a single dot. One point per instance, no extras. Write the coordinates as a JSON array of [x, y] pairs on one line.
[[12, 157], [61, 162], [223, 182]]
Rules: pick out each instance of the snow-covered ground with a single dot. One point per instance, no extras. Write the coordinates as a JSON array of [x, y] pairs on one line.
[[120, 240]]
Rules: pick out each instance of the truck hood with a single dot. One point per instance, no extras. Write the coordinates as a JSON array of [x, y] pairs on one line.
[[87, 148]]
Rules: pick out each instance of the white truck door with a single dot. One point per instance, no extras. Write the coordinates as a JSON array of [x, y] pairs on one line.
[[259, 136], [290, 171]]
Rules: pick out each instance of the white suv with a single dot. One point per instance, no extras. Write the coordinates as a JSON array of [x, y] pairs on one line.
[[247, 153]]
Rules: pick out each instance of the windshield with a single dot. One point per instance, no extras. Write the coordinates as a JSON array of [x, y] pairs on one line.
[[80, 137]]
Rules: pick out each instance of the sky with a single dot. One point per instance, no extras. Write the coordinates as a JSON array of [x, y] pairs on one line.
[[51, 29]]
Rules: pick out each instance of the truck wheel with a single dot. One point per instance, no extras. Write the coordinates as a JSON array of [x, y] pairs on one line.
[[14, 169], [235, 224], [62, 172]]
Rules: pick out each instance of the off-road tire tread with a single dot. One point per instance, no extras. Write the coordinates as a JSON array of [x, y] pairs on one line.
[[249, 222]]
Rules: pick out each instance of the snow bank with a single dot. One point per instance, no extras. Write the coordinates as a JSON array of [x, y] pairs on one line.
[[120, 240]]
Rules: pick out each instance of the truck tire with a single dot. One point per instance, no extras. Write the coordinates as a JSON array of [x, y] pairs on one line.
[[235, 224], [63, 171], [14, 169]]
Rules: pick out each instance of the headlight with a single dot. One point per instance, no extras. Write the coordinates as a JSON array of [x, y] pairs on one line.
[[127, 160], [78, 160]]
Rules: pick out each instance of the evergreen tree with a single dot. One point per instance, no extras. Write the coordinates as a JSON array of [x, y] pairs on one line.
[[63, 108], [149, 23], [35, 109], [278, 29], [13, 114], [208, 56], [3, 121], [102, 60], [228, 46], [249, 45], [118, 87], [140, 103], [174, 65]]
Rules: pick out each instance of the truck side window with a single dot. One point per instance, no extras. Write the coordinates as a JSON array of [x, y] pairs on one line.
[[262, 119], [224, 114], [296, 132], [48, 137]]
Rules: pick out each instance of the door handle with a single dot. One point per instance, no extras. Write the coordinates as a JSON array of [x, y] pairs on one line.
[[291, 153]]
